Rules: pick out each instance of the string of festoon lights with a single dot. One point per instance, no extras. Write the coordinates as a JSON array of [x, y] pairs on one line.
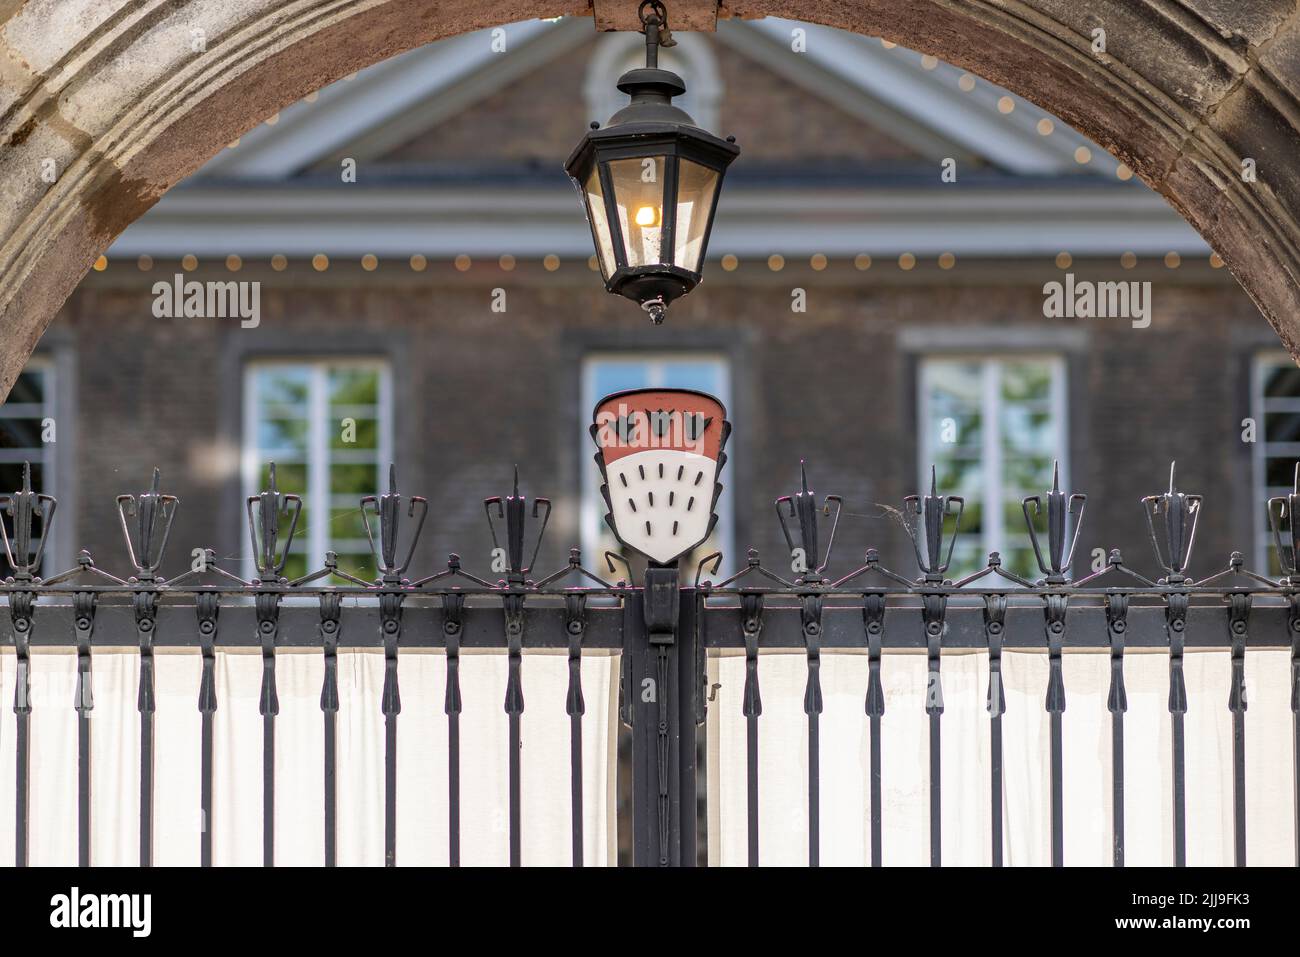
[[551, 262]]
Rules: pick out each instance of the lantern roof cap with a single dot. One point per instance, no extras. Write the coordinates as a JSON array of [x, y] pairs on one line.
[[652, 91]]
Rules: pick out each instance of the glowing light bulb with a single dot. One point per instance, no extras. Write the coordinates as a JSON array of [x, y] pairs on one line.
[[647, 216]]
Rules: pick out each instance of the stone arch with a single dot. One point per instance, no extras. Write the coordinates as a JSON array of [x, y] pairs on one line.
[[125, 99]]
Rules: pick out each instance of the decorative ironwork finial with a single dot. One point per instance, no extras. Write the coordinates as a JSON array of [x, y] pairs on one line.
[[1180, 512], [1060, 549], [806, 559], [387, 508], [23, 506], [152, 509], [1283, 508], [513, 508], [923, 518], [264, 527]]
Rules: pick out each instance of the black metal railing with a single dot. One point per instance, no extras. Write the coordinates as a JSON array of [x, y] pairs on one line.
[[663, 628]]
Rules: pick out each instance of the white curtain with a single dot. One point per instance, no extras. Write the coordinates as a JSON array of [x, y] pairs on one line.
[[965, 765], [299, 801], [845, 794]]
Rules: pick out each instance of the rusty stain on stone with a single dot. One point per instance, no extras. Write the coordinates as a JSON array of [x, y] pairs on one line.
[[27, 129], [114, 202]]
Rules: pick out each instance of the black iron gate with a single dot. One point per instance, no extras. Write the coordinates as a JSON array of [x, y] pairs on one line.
[[664, 627]]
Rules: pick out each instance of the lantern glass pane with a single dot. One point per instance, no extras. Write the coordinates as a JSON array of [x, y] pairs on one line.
[[696, 186], [639, 197], [595, 196]]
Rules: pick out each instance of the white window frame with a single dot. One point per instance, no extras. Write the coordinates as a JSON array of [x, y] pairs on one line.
[[316, 535], [47, 455], [995, 534], [593, 518], [1263, 450]]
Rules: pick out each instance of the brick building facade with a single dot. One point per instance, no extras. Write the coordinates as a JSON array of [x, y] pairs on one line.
[[855, 305]]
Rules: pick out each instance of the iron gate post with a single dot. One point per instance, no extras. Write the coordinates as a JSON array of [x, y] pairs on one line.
[[659, 640]]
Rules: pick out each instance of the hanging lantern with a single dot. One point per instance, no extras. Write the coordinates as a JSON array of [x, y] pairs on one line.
[[649, 181]]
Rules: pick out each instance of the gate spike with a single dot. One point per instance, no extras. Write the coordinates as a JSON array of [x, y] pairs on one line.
[[386, 510], [1180, 513], [923, 519], [1060, 545], [146, 536], [803, 508]]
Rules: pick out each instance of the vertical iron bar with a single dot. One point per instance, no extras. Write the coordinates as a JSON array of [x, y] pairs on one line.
[[575, 707], [1180, 514], [387, 509], [329, 706], [1117, 704], [268, 789], [207, 606], [1055, 566], [390, 615], [21, 606], [1180, 790], [663, 700], [390, 789], [995, 610], [331, 788], [1238, 615], [812, 705], [873, 614], [1058, 797], [83, 788], [814, 788], [268, 625], [933, 610], [514, 706], [752, 708], [658, 632], [1055, 607], [83, 604], [452, 606], [1176, 624], [995, 786], [689, 678], [146, 609]]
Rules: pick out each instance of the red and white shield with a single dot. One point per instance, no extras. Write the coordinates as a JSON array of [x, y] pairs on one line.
[[660, 455]]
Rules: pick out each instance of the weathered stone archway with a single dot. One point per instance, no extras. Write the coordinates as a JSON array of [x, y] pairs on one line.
[[121, 100]]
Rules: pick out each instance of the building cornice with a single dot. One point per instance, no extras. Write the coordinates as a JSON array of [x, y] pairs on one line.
[[352, 220]]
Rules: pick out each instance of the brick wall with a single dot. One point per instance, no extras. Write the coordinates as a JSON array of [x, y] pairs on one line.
[[479, 391]]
